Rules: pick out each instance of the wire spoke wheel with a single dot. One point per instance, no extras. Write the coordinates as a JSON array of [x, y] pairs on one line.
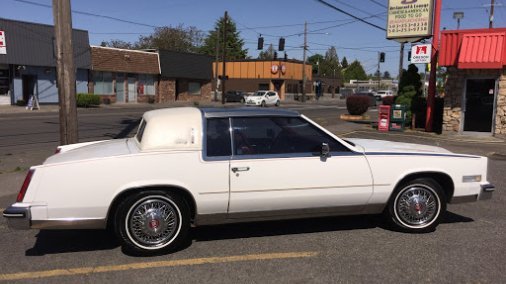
[[153, 222], [417, 206]]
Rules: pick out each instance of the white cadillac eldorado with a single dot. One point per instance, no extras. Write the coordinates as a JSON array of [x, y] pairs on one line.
[[190, 166]]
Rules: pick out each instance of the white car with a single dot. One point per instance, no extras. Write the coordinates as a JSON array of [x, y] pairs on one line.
[[383, 93], [263, 98], [190, 167]]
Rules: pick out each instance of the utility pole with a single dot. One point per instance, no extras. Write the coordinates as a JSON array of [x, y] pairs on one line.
[[66, 76], [216, 67], [223, 77], [304, 64], [491, 19], [433, 67], [401, 61]]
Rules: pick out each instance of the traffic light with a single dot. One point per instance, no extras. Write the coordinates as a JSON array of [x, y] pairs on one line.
[[285, 57], [409, 56], [275, 55], [260, 43], [281, 46], [382, 57]]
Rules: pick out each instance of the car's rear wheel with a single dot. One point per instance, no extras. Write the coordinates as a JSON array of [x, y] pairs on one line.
[[278, 103], [242, 100], [417, 206], [152, 222]]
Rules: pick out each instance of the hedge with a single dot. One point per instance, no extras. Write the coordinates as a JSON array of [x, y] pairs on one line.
[[357, 105], [87, 100]]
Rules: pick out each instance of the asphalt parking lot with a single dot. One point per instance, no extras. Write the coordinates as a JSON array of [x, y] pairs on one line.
[[467, 247]]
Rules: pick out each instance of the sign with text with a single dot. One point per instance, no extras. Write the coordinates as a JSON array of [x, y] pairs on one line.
[[409, 19], [421, 53], [3, 46]]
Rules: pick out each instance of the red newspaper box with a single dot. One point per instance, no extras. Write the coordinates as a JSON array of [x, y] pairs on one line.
[[383, 118]]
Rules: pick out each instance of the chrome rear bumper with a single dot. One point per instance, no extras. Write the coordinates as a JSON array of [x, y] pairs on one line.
[[18, 217]]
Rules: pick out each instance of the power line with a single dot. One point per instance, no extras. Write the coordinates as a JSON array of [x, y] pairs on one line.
[[89, 14], [351, 15], [378, 3], [357, 9]]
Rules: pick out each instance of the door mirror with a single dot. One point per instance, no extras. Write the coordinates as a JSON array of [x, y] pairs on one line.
[[325, 151]]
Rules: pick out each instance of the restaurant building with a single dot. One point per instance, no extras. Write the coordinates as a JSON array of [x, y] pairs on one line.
[[284, 77], [475, 88]]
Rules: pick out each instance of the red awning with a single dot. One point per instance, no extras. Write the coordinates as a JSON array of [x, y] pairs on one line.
[[481, 51]]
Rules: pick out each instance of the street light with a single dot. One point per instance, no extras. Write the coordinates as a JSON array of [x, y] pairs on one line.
[[458, 16]]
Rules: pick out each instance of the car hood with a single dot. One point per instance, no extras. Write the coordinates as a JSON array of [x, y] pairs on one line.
[[382, 146], [92, 150]]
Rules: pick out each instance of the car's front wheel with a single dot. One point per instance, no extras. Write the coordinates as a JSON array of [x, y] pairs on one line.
[[243, 100], [417, 206], [152, 222], [263, 104], [277, 103]]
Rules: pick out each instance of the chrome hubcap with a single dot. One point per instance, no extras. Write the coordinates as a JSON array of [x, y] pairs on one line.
[[153, 222], [417, 206]]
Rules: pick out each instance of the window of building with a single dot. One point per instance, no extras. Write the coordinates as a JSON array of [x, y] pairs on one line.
[[218, 137], [279, 135], [146, 84], [103, 83], [120, 87], [194, 88]]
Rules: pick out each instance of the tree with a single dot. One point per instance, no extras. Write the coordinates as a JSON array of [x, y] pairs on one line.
[[410, 90], [116, 43], [386, 75], [344, 63], [268, 54], [180, 38], [355, 71], [330, 66], [234, 44], [411, 77], [315, 60]]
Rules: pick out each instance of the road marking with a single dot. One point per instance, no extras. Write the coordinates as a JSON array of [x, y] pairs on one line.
[[154, 264]]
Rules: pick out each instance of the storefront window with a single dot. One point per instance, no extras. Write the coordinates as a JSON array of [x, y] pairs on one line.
[[194, 88], [146, 84], [120, 87], [103, 83]]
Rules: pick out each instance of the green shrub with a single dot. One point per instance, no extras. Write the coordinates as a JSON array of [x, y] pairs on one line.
[[388, 100], [87, 100], [357, 105]]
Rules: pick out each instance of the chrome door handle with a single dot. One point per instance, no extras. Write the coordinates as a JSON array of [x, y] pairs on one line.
[[240, 169]]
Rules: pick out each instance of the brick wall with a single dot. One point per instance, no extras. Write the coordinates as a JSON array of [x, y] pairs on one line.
[[166, 90], [500, 118]]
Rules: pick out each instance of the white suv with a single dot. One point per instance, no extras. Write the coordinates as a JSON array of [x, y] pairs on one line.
[[263, 98]]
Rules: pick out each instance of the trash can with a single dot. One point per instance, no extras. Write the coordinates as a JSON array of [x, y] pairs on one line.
[[398, 117]]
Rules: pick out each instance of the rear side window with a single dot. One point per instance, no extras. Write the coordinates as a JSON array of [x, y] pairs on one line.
[[140, 132], [218, 137]]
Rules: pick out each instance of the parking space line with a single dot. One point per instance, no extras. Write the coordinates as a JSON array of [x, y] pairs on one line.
[[153, 264]]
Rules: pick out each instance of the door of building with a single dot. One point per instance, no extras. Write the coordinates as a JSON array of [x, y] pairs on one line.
[[132, 90], [479, 105], [28, 82]]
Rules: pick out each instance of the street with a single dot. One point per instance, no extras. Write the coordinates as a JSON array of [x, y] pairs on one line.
[[468, 246]]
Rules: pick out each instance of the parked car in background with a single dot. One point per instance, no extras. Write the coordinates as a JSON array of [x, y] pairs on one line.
[[383, 93], [263, 98], [370, 95], [235, 96], [190, 167]]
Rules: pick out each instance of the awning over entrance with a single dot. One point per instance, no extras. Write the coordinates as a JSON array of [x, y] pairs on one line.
[[482, 51], [473, 49]]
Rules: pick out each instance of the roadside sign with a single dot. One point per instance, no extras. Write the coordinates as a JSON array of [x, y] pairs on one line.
[[421, 53], [409, 19], [3, 46]]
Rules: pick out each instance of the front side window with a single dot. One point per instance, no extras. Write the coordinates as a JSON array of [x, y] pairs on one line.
[[279, 135], [218, 137]]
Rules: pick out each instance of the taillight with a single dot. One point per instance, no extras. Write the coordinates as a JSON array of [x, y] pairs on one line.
[[58, 150], [22, 192]]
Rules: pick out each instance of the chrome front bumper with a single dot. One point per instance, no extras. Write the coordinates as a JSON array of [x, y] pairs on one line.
[[18, 217]]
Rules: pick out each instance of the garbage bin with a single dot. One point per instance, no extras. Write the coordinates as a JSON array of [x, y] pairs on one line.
[[398, 117]]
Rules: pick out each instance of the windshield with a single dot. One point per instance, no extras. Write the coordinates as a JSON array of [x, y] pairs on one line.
[[259, 94]]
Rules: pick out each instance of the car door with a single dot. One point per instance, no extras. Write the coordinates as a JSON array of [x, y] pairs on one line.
[[276, 168]]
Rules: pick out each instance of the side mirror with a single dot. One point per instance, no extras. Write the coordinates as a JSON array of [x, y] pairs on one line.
[[325, 152]]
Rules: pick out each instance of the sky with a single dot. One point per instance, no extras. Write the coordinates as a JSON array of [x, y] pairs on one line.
[[270, 18]]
